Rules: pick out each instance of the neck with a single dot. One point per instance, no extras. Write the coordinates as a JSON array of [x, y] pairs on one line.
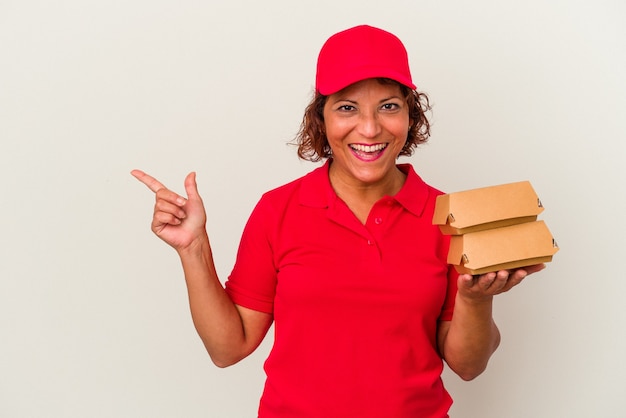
[[360, 196]]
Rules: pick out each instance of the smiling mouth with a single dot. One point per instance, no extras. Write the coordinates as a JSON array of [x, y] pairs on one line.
[[368, 152]]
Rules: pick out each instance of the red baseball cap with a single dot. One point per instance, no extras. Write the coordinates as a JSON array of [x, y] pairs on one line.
[[360, 53]]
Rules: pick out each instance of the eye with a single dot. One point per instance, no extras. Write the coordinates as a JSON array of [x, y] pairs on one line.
[[390, 106], [346, 108]]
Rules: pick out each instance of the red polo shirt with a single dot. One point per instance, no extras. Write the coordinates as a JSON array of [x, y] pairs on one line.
[[355, 306]]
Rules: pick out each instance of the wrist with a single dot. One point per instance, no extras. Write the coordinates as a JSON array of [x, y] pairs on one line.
[[475, 301], [197, 246]]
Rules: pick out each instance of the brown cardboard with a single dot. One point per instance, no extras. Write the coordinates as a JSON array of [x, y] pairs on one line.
[[486, 208], [502, 248]]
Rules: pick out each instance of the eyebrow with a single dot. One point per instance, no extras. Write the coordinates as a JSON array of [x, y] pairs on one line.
[[355, 102], [390, 98]]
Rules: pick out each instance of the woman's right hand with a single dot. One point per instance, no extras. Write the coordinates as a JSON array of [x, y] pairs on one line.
[[178, 221]]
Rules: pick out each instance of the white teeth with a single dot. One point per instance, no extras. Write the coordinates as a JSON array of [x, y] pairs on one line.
[[368, 148]]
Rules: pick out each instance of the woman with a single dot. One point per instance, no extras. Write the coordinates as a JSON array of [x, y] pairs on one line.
[[344, 261]]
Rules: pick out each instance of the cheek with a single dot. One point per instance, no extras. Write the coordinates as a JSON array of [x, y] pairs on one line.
[[401, 130], [335, 130]]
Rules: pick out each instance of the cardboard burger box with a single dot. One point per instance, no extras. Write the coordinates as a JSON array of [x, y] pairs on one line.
[[494, 228], [486, 208], [504, 248]]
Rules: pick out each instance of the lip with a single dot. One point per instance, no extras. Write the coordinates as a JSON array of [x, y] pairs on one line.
[[368, 152]]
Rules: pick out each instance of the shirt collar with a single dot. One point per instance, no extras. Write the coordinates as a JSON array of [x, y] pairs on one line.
[[317, 192], [414, 193]]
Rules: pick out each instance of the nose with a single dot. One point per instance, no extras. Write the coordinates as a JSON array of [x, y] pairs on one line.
[[369, 125]]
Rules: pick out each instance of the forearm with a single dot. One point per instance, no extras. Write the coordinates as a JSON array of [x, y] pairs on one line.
[[214, 315], [471, 338], [229, 332]]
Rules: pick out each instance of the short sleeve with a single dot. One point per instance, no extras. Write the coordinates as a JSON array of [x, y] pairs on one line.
[[252, 282], [448, 305]]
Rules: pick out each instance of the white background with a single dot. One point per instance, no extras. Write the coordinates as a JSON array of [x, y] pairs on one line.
[[93, 313]]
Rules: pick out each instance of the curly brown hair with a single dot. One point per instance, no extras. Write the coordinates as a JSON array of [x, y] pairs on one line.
[[311, 138]]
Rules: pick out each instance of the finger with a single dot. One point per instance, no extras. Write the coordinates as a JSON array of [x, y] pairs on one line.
[[509, 279], [167, 207], [487, 280], [169, 196], [152, 183], [162, 219], [500, 281], [533, 269], [514, 279], [465, 281]]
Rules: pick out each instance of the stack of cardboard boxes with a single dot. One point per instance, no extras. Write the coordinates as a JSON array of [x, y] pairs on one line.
[[494, 228]]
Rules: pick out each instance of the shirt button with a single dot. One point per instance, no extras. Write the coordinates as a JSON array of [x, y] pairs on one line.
[[369, 242], [378, 221]]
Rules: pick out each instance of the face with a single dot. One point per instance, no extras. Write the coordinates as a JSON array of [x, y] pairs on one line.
[[366, 125]]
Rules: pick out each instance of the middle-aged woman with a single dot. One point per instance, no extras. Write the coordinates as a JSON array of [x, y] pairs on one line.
[[344, 261]]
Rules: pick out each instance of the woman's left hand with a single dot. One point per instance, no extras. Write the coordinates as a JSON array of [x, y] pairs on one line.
[[485, 286]]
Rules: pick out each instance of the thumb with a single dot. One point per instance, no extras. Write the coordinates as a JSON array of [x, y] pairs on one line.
[[191, 187]]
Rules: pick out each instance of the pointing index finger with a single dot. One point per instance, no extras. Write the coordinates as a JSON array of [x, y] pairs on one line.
[[152, 183]]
